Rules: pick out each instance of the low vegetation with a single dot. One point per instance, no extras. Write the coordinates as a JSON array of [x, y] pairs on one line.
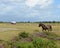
[[23, 35], [25, 40], [29, 35]]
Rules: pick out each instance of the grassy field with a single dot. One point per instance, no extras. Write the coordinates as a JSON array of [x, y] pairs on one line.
[[8, 31]]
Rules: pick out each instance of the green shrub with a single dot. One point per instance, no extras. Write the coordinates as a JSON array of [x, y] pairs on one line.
[[24, 45], [51, 44], [36, 43], [43, 43], [23, 35]]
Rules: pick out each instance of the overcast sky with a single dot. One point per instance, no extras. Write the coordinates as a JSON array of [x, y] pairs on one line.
[[29, 10]]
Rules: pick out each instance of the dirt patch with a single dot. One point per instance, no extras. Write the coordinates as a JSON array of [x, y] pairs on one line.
[[6, 29], [43, 35]]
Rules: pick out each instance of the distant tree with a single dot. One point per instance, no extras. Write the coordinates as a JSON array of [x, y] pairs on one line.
[[28, 21], [1, 21], [54, 22]]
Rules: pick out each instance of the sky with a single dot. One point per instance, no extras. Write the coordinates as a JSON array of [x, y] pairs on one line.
[[29, 10]]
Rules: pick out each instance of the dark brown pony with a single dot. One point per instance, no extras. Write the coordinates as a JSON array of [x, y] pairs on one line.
[[45, 27]]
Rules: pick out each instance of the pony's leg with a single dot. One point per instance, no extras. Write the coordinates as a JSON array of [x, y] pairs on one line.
[[42, 29], [49, 30], [46, 30]]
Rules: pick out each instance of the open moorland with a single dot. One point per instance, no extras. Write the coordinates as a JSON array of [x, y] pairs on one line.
[[8, 31]]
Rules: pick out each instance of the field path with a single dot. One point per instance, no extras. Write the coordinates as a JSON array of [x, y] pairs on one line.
[[6, 29]]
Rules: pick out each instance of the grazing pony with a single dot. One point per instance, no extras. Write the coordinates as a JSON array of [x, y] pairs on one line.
[[45, 27]]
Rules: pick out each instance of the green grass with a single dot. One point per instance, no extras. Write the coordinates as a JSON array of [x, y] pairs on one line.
[[8, 31]]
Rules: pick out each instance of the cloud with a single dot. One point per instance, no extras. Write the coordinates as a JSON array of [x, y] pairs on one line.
[[32, 13], [58, 6], [20, 5], [8, 5], [10, 1], [41, 3], [27, 10], [5, 8], [31, 3], [16, 7]]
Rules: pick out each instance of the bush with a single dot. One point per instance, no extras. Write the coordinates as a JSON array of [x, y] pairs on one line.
[[36, 43], [23, 45], [44, 43], [23, 35]]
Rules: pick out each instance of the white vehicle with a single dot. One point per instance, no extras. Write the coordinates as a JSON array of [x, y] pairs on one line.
[[13, 22]]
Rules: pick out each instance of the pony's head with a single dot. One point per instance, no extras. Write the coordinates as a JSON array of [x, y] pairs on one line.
[[40, 24]]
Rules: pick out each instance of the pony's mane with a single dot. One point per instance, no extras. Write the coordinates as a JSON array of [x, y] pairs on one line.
[[43, 24]]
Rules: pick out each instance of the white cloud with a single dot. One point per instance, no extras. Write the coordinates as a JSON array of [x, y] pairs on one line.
[[42, 3], [8, 5], [33, 14], [58, 6], [31, 3], [10, 0], [6, 9], [16, 7]]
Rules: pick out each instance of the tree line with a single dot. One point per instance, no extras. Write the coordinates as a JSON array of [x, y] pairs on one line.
[[34, 22]]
